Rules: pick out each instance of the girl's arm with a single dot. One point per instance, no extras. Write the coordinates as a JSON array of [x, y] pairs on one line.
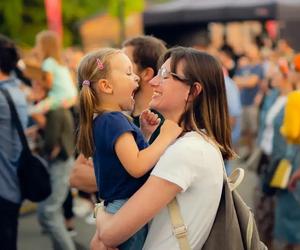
[[137, 162], [139, 210], [149, 122]]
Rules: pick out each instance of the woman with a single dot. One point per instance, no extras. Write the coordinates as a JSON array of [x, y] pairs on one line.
[[189, 89]]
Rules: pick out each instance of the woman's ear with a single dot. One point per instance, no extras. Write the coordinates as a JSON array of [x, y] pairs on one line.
[[196, 89], [105, 86]]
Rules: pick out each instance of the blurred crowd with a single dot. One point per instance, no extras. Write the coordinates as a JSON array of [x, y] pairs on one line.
[[262, 85]]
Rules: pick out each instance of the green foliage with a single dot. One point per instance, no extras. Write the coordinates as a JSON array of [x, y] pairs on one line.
[[21, 20], [10, 13], [130, 6], [73, 12]]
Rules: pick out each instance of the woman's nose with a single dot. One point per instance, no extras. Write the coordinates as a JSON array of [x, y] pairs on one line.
[[155, 81]]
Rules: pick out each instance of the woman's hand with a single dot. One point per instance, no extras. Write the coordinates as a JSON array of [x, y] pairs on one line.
[[149, 122], [97, 244]]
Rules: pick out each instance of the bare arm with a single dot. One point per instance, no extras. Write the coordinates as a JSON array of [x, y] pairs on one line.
[[137, 162], [139, 210], [83, 176], [47, 80], [246, 81]]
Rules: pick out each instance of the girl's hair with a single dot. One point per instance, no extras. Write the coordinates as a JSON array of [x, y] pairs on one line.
[[9, 55], [208, 110], [90, 72], [50, 44]]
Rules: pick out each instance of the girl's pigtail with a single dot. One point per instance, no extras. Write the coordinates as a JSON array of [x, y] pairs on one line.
[[85, 142]]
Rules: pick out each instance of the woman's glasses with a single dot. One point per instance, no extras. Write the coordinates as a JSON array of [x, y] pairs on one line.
[[163, 73]]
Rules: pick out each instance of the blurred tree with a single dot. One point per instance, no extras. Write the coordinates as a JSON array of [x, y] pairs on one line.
[[73, 12], [121, 9], [21, 20]]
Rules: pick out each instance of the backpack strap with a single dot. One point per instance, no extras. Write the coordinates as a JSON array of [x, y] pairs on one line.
[[236, 178], [15, 119], [179, 228]]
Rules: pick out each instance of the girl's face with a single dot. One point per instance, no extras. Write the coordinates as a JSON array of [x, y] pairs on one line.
[[124, 81], [170, 92]]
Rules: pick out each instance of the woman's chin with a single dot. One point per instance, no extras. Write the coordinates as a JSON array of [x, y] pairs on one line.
[[153, 105]]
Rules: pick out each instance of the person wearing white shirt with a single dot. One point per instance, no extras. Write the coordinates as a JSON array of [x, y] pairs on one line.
[[188, 89]]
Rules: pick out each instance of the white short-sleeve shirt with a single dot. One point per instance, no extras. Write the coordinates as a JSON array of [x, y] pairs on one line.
[[195, 165]]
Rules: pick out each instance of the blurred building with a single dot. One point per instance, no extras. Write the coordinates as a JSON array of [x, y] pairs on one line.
[[180, 21]]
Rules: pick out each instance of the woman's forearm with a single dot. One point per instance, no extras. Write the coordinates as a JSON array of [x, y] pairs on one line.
[[138, 211]]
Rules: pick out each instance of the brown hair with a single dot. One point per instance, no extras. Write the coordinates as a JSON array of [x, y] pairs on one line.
[[147, 51], [208, 110], [50, 44], [89, 103]]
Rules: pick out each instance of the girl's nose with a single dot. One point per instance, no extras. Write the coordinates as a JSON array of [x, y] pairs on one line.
[[136, 78], [155, 81]]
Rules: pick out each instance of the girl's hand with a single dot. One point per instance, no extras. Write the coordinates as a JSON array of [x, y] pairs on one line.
[[171, 130], [149, 122]]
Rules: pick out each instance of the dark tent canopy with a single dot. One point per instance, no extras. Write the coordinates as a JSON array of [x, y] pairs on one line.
[[186, 14]]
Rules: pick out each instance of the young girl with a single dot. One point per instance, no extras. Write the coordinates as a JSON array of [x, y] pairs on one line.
[[121, 155], [57, 78], [189, 89]]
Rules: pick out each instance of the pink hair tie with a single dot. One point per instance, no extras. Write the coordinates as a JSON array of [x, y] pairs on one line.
[[100, 65], [86, 82]]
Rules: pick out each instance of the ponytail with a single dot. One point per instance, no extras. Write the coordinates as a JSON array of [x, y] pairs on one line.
[[88, 101]]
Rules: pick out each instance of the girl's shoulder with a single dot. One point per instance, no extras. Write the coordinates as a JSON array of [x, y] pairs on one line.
[[109, 115], [112, 119]]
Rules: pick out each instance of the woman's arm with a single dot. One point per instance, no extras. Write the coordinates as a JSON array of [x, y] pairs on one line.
[[139, 210], [83, 176], [137, 162]]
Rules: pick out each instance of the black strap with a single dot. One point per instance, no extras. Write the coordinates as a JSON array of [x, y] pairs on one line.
[[16, 119]]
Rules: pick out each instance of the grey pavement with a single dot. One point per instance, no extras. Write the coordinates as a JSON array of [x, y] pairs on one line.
[[31, 238]]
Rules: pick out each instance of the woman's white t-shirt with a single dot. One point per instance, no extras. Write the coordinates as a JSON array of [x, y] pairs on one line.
[[195, 165]]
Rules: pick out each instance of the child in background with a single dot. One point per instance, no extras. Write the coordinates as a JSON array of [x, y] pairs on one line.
[[56, 77], [121, 155]]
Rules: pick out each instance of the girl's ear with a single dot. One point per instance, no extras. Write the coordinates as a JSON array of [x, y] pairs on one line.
[[196, 89], [105, 86]]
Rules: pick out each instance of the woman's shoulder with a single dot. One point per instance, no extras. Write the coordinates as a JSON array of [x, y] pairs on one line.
[[193, 141], [194, 148]]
